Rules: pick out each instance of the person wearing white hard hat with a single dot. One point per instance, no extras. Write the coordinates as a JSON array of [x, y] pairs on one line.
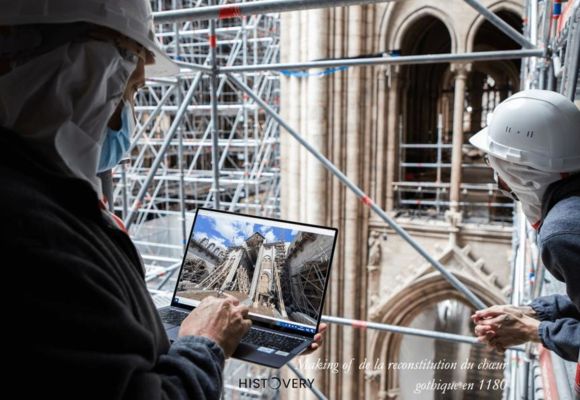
[[533, 145], [82, 323]]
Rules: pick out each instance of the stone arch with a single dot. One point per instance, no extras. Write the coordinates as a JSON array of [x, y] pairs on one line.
[[401, 309], [500, 5], [491, 82], [419, 89], [384, 24], [414, 17], [211, 246]]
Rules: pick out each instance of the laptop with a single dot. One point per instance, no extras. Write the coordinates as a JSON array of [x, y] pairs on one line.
[[279, 269]]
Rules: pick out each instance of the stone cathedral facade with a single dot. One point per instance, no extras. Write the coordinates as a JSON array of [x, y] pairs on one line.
[[401, 134]]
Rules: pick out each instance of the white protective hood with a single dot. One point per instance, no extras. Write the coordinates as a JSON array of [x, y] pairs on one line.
[[528, 183], [61, 102]]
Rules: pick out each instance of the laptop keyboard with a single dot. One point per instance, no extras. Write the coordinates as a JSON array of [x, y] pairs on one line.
[[255, 337], [269, 339], [171, 316]]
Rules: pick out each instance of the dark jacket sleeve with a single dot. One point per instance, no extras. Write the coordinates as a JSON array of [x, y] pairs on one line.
[[551, 308], [192, 369], [560, 327], [562, 337], [561, 255], [83, 339]]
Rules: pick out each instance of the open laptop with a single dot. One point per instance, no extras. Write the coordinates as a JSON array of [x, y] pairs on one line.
[[279, 269]]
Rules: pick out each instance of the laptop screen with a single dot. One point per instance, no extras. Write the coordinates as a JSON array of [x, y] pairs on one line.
[[278, 269]]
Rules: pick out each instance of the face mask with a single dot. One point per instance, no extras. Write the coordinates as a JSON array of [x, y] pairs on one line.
[[528, 184], [117, 143]]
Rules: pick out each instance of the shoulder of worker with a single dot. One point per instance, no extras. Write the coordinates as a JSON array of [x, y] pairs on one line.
[[560, 206], [34, 190], [559, 244], [563, 218], [41, 209]]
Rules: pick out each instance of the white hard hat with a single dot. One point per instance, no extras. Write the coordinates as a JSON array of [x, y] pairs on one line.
[[132, 18], [537, 128]]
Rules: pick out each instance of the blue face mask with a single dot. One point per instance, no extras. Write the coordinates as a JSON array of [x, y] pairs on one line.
[[117, 143]]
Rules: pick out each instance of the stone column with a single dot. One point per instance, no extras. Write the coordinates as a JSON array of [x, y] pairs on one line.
[[381, 116], [317, 109], [352, 264], [460, 71], [336, 193], [392, 129], [317, 121]]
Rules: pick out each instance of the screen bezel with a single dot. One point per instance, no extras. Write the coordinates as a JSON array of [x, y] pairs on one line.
[[266, 324]]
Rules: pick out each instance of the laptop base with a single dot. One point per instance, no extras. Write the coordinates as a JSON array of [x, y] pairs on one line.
[[260, 355]]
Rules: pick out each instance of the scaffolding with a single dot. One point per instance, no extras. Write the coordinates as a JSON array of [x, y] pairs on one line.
[[419, 196], [210, 137], [199, 142]]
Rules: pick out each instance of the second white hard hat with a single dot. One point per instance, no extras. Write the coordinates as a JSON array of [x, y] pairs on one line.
[[132, 18], [537, 128]]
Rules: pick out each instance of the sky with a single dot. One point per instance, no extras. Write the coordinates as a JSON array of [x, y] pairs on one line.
[[226, 231]]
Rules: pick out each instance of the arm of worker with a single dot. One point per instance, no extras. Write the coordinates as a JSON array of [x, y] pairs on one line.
[[551, 308], [83, 339], [562, 337], [505, 326]]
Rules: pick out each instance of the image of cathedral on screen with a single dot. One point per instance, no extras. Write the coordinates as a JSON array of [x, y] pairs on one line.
[[277, 272]]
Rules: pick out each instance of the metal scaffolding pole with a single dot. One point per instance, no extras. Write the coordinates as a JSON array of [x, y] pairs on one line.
[[452, 279], [501, 24], [194, 67], [214, 114], [393, 60], [168, 138], [257, 7], [403, 330]]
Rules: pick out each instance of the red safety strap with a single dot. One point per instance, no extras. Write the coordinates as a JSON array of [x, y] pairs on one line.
[[230, 12], [359, 324], [213, 41], [366, 200]]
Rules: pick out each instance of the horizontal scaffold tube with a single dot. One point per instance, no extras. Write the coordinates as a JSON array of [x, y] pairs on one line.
[[397, 60], [404, 330], [257, 7]]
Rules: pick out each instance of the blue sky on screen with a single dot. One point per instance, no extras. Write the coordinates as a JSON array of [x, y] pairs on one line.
[[225, 231]]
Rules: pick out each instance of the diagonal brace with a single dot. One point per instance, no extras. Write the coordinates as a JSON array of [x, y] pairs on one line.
[[452, 279]]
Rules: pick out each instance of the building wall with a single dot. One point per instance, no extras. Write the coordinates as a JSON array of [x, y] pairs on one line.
[[351, 118]]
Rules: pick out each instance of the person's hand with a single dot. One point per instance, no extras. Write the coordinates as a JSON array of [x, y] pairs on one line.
[[222, 320], [504, 326], [318, 339], [494, 311]]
